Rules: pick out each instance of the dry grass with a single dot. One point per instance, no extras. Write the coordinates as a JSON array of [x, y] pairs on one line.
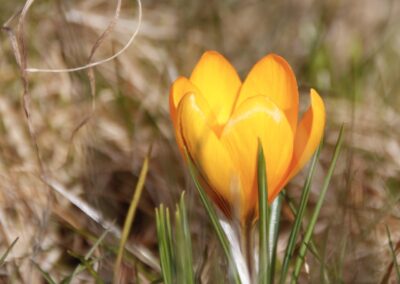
[[73, 145]]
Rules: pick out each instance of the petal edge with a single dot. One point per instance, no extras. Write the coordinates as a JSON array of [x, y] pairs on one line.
[[308, 135]]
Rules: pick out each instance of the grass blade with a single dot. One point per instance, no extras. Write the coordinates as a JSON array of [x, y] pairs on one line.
[[89, 254], [164, 234], [86, 265], [312, 247], [393, 252], [214, 221], [273, 234], [184, 256], [5, 254], [263, 264], [130, 217], [299, 217], [314, 217], [89, 267], [45, 274]]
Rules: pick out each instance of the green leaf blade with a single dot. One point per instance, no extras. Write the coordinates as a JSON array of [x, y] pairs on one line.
[[263, 268], [214, 221], [164, 235], [310, 228], [185, 273], [299, 217], [273, 234]]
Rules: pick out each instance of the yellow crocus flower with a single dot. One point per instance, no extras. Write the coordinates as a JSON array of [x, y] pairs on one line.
[[219, 120]]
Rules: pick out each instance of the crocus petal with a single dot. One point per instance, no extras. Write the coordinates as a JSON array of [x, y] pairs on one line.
[[273, 77], [218, 82], [178, 90], [204, 148], [259, 118], [181, 87], [308, 135]]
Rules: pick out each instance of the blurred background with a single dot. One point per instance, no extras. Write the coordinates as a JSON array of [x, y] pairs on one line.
[[72, 145]]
